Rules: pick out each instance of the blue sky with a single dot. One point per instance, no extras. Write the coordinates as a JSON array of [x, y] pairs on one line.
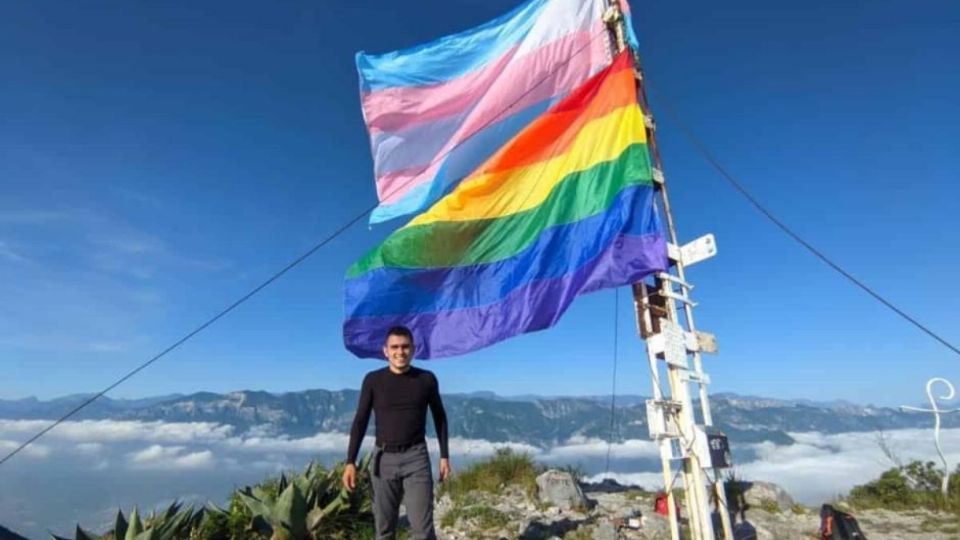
[[158, 160]]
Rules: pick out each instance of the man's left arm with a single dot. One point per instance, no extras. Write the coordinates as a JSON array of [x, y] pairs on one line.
[[440, 423]]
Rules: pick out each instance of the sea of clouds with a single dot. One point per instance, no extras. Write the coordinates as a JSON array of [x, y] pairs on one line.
[[83, 471]]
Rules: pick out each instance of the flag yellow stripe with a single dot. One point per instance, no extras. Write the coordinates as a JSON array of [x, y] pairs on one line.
[[501, 194]]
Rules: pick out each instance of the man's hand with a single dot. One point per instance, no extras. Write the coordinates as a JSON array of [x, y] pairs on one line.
[[350, 476], [444, 469]]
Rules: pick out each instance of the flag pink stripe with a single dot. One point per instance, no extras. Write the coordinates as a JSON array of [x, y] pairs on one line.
[[399, 107], [393, 109], [499, 103]]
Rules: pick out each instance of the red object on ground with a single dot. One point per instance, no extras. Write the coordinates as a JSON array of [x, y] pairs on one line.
[[660, 504]]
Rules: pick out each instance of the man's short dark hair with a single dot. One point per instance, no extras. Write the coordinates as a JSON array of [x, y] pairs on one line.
[[399, 331]]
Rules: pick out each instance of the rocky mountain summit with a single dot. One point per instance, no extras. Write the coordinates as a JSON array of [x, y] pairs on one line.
[[563, 508]]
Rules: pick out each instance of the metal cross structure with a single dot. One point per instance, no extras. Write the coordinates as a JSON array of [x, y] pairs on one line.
[[675, 345], [951, 392]]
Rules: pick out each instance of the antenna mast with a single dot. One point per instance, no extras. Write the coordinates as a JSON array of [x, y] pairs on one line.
[[698, 451]]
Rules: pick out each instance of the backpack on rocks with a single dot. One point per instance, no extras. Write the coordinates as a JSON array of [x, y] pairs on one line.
[[662, 506], [837, 525]]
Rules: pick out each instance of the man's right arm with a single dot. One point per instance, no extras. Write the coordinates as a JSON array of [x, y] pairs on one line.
[[360, 420]]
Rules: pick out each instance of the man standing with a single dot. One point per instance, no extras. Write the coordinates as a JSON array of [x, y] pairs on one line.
[[400, 469]]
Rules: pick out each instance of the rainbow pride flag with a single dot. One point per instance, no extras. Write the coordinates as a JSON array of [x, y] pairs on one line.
[[564, 208], [436, 111]]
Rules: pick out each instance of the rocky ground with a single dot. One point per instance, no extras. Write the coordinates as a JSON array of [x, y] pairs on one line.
[[563, 509]]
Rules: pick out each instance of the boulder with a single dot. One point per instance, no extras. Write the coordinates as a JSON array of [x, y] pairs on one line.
[[759, 495], [559, 489], [606, 530], [655, 526]]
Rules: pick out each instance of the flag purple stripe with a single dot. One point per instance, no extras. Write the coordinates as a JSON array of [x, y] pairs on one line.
[[534, 307]]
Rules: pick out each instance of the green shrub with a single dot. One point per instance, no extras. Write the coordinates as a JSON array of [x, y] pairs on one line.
[[482, 516], [504, 468], [913, 486], [891, 490], [580, 533], [770, 506]]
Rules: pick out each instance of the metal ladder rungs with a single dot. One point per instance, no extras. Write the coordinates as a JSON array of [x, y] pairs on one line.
[[678, 298], [674, 279]]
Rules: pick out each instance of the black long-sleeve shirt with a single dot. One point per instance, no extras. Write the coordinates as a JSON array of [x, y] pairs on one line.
[[399, 401]]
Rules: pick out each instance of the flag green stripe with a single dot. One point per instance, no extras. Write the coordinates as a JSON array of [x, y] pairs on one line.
[[460, 243]]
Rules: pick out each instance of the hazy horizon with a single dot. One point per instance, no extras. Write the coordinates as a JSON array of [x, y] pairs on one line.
[[151, 463], [606, 396]]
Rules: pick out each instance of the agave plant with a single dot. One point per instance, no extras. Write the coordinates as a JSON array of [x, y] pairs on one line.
[[308, 505], [7, 534], [174, 523], [311, 505]]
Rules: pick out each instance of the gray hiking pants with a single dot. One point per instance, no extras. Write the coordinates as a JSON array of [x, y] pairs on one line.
[[403, 476]]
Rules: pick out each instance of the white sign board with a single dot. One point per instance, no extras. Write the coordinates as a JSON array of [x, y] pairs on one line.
[[700, 249], [660, 419], [674, 344], [707, 342]]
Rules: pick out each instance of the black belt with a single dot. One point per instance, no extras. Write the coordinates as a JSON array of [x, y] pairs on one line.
[[390, 449], [397, 448]]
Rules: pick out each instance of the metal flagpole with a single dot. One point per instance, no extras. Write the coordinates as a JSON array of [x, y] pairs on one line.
[[671, 418]]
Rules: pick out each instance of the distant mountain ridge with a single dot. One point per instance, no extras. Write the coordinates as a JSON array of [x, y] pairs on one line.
[[539, 421]]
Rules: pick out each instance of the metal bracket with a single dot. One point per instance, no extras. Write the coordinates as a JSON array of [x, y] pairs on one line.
[[612, 15], [673, 252], [700, 249], [658, 176], [693, 252]]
